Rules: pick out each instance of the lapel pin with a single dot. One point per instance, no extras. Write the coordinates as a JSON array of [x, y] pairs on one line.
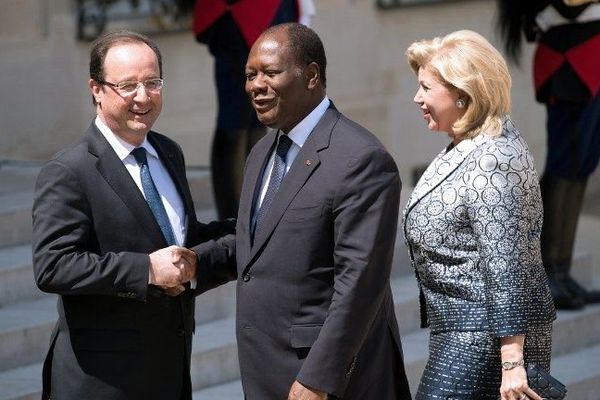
[[307, 162]]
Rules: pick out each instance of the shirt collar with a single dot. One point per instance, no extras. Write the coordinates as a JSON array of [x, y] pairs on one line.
[[300, 132], [121, 147]]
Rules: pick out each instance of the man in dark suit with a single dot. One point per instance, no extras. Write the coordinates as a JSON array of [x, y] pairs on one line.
[[105, 211], [315, 315]]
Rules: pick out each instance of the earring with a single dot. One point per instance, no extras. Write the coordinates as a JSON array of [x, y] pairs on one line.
[[460, 103]]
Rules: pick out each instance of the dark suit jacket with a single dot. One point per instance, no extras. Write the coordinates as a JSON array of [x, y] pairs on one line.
[[313, 295], [116, 336]]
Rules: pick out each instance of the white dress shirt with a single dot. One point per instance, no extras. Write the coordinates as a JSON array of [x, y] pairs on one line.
[[162, 180]]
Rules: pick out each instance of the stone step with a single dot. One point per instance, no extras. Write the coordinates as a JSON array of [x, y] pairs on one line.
[[225, 391], [576, 329], [24, 383], [15, 219], [214, 362], [580, 372], [16, 275], [588, 231], [214, 354], [16, 198], [25, 331], [25, 326], [571, 369]]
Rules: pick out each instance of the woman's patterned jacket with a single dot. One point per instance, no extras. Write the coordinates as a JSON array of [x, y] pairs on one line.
[[472, 226]]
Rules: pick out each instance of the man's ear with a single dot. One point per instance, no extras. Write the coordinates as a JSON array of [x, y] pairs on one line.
[[96, 90], [313, 75]]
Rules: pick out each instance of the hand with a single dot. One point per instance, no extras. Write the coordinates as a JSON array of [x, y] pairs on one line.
[[514, 385], [575, 3], [172, 266], [173, 291], [300, 392]]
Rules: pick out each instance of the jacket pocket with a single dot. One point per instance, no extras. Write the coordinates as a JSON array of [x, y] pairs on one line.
[[304, 335]]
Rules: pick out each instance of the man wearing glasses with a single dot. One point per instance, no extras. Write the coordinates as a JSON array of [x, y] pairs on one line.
[[111, 217]]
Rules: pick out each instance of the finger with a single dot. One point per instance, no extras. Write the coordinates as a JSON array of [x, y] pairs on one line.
[[181, 264], [532, 395], [175, 254], [189, 256], [521, 396]]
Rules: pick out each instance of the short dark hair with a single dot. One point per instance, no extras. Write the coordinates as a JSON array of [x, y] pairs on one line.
[[105, 42], [305, 44]]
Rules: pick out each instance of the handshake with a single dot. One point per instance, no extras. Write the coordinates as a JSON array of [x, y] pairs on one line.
[[171, 267]]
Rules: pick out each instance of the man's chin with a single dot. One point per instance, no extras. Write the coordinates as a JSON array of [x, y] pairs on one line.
[[141, 127], [266, 121]]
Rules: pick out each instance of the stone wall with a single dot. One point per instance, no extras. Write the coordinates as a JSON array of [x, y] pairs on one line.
[[45, 103]]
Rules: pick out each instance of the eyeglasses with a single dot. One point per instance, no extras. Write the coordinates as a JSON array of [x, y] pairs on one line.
[[127, 88]]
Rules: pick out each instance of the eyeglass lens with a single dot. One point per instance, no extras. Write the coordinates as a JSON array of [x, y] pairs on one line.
[[152, 85]]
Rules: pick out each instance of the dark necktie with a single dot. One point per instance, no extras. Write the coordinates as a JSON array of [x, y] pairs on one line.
[[277, 174], [152, 196]]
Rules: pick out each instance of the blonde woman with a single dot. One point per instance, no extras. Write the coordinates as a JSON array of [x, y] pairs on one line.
[[473, 227]]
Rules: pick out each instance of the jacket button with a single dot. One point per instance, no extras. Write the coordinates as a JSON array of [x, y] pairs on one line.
[[246, 277], [180, 332]]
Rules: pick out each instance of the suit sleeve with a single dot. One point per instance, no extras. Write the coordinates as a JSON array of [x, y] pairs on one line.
[[365, 215], [216, 261], [63, 260]]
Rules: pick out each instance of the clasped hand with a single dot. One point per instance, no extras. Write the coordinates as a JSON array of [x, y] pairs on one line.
[[171, 267]]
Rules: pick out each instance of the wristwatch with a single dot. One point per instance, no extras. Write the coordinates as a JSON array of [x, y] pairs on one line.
[[508, 365]]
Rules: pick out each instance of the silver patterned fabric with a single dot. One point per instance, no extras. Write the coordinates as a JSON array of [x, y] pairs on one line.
[[472, 226]]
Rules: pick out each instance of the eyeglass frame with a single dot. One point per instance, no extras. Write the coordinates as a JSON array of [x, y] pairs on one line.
[[118, 86]]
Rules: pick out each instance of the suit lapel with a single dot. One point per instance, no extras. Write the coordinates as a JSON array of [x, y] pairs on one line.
[[253, 174], [305, 163], [441, 167], [111, 168]]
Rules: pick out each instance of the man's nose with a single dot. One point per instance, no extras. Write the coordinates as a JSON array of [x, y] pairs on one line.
[[256, 85], [141, 94]]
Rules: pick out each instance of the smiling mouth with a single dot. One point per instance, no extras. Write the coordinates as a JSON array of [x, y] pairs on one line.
[[140, 112], [262, 104]]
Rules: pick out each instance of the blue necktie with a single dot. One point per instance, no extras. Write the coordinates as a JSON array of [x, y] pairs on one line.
[[277, 174], [152, 196]]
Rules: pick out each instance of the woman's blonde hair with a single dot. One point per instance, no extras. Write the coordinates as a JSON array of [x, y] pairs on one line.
[[465, 60]]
